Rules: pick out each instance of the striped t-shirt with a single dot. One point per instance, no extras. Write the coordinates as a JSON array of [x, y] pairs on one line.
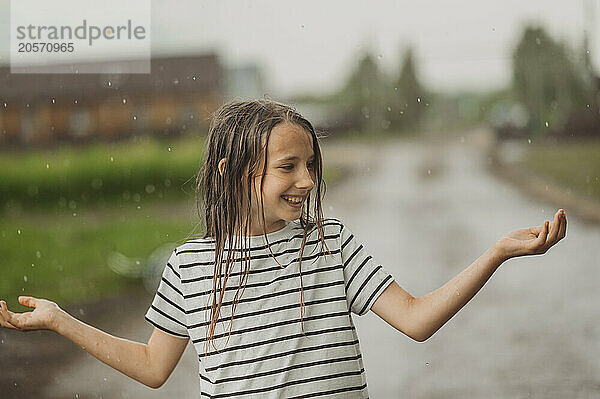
[[270, 353]]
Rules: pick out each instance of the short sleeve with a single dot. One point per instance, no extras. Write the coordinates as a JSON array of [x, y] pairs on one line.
[[365, 280], [167, 311]]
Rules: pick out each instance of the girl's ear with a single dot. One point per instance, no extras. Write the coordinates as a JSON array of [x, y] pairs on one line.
[[222, 165]]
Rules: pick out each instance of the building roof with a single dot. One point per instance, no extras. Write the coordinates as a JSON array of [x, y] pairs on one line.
[[200, 72]]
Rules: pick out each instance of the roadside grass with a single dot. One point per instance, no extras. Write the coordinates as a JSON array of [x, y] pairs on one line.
[[575, 166], [72, 177], [64, 258]]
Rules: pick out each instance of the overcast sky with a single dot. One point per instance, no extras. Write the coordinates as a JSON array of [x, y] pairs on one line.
[[309, 45]]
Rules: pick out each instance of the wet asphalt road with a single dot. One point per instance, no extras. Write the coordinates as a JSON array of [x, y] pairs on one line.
[[427, 211]]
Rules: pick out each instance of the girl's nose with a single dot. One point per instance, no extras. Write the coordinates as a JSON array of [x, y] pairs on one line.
[[305, 180]]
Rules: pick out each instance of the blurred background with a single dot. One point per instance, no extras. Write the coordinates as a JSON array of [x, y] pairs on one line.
[[445, 126]]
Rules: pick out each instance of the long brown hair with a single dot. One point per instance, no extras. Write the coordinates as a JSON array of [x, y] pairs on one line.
[[239, 132]]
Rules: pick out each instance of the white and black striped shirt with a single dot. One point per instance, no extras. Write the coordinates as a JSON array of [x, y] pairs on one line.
[[269, 352]]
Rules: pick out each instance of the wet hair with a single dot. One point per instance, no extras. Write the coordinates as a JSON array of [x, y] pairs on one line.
[[239, 132]]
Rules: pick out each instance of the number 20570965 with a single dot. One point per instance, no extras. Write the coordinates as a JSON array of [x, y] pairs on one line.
[[46, 47]]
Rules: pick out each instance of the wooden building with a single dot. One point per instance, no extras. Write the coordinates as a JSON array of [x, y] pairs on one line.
[[179, 94]]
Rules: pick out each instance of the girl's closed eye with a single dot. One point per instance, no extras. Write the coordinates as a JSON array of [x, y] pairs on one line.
[[309, 165]]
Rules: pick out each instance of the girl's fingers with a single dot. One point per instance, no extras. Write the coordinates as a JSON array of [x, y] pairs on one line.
[[555, 227], [6, 316], [563, 227], [28, 301], [541, 240]]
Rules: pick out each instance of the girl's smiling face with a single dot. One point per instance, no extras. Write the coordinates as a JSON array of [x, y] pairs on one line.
[[289, 178]]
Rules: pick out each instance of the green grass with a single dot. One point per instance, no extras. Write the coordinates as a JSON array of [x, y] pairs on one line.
[[73, 177], [575, 166], [64, 257]]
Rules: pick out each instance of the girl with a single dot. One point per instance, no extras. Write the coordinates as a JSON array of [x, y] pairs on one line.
[[266, 295]]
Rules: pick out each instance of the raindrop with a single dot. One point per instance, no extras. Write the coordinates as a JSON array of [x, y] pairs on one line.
[[546, 187], [112, 159], [193, 78], [74, 213], [389, 108], [109, 83], [418, 99], [53, 101], [588, 105], [27, 105], [546, 123], [426, 363], [38, 254], [529, 141], [176, 82], [25, 278], [47, 166], [124, 101], [5, 105], [18, 231], [76, 395], [169, 149], [587, 51], [137, 262], [429, 171], [1, 341], [134, 117]]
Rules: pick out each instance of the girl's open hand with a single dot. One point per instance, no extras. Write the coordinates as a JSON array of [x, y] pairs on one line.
[[534, 240], [42, 317]]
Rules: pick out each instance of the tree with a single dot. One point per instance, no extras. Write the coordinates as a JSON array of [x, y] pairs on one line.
[[363, 93], [550, 86], [406, 101]]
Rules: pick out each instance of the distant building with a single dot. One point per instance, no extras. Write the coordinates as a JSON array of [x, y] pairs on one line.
[[178, 94]]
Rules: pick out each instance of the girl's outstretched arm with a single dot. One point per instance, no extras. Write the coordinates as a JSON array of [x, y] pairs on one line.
[[151, 363], [420, 318]]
